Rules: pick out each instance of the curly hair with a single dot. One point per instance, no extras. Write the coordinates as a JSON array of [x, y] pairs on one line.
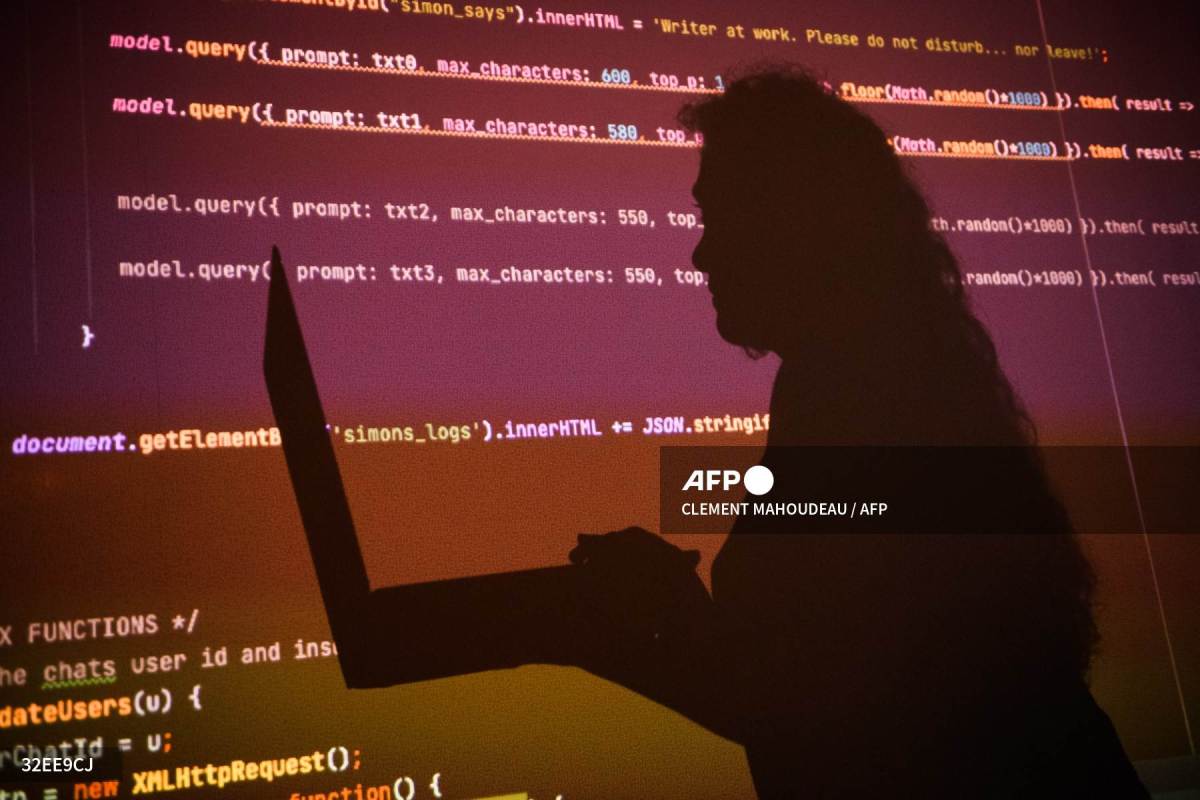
[[834, 215], [866, 229]]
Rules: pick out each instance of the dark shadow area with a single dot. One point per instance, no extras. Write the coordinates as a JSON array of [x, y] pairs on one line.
[[848, 665]]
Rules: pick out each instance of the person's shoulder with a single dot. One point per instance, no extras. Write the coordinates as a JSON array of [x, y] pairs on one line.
[[1074, 751]]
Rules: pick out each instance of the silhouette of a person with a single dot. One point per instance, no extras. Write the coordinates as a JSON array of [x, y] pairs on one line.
[[858, 665], [914, 664]]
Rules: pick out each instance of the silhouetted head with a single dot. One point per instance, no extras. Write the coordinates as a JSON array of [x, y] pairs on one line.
[[810, 224], [817, 245]]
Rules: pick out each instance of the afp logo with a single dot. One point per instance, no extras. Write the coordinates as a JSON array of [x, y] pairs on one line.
[[758, 480]]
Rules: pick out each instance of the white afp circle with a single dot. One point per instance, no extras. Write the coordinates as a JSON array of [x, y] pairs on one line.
[[758, 480]]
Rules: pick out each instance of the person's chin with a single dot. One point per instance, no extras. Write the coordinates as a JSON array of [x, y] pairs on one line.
[[735, 331]]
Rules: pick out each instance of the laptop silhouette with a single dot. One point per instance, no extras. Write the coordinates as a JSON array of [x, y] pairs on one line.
[[412, 632]]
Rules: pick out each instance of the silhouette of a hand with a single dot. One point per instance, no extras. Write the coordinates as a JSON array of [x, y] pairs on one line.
[[641, 586], [631, 545]]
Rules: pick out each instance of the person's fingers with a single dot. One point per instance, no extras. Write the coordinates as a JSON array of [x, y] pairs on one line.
[[585, 548], [632, 546], [579, 553]]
